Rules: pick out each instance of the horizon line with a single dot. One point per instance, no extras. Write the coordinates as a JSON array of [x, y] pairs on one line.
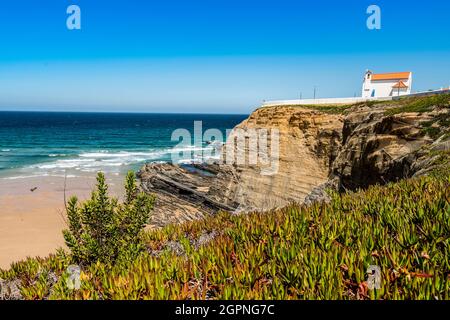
[[125, 112]]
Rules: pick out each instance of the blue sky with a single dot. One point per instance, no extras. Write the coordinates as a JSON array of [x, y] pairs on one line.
[[218, 56]]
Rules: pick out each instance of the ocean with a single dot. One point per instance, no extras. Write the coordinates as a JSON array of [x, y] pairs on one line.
[[69, 144]]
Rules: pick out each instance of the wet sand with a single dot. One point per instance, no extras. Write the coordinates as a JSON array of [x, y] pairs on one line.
[[31, 223]]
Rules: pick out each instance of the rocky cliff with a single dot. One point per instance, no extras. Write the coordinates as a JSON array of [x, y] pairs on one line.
[[309, 141], [388, 142], [340, 147]]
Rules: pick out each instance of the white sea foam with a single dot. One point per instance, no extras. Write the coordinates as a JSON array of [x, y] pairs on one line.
[[113, 160], [6, 150], [53, 155], [39, 176], [25, 177]]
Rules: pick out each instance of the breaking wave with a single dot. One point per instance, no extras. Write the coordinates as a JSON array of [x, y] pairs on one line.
[[108, 160]]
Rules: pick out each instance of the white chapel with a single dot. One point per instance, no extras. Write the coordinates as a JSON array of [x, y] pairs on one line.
[[378, 85]]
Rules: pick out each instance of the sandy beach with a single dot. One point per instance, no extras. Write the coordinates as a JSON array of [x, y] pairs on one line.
[[31, 221]]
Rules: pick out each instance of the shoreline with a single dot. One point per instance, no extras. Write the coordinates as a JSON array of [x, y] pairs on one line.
[[31, 222]]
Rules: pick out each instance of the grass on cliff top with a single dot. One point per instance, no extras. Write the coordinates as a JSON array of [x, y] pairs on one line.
[[330, 109], [319, 252], [419, 104]]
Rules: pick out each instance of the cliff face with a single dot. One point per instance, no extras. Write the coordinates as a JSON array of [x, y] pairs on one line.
[[371, 144], [328, 147], [379, 147], [308, 143]]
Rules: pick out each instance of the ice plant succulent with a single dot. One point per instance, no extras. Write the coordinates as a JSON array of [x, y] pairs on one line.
[[318, 252]]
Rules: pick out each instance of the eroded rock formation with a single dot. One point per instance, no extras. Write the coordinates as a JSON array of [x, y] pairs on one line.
[[378, 148], [355, 148]]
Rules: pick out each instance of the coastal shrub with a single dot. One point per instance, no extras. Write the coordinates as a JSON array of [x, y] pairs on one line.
[[104, 230]]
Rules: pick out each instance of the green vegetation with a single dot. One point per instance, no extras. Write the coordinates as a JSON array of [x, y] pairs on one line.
[[419, 104], [103, 230], [431, 131], [438, 126], [330, 109], [319, 252]]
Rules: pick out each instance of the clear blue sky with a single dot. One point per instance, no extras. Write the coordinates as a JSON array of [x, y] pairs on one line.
[[219, 56]]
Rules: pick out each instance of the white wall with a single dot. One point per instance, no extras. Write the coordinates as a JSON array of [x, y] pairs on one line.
[[326, 101], [330, 101]]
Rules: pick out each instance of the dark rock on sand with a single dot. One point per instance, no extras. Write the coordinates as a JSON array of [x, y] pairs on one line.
[[184, 192]]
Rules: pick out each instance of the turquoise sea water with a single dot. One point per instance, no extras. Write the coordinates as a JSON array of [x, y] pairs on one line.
[[56, 144]]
